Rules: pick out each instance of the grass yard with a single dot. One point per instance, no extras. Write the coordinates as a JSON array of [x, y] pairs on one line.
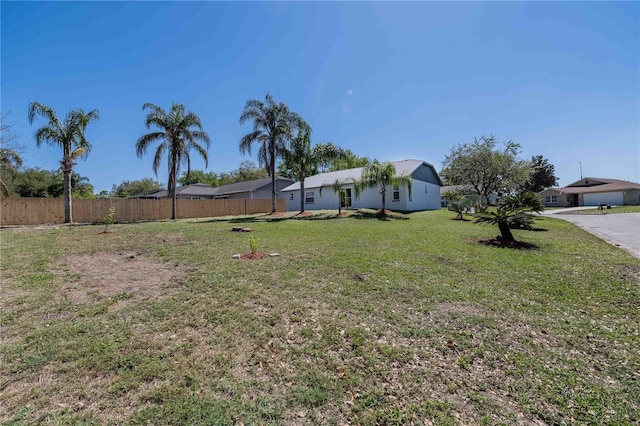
[[613, 210], [358, 321]]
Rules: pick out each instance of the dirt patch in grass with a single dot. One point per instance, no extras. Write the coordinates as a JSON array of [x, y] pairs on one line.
[[121, 277], [253, 255]]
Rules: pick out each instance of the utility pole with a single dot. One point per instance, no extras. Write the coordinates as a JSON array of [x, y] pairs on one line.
[[580, 162]]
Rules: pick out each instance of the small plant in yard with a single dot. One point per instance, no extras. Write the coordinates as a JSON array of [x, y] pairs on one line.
[[109, 219], [253, 244], [459, 206]]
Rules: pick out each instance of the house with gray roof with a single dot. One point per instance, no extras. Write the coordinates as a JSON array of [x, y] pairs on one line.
[[319, 195], [196, 191], [253, 189], [259, 188], [592, 191]]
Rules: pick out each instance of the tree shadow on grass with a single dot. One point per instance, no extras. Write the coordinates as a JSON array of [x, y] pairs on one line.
[[310, 215], [500, 243]]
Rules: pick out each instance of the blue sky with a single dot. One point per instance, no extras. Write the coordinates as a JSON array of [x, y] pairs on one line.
[[386, 80]]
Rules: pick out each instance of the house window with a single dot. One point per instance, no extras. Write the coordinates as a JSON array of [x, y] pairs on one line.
[[396, 193], [309, 197], [551, 199]]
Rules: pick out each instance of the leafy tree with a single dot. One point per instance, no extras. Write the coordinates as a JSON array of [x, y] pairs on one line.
[[346, 160], [198, 176], [36, 182], [10, 162], [69, 135], [486, 169], [381, 175], [543, 175], [248, 171], [179, 133], [273, 127], [10, 158], [134, 187]]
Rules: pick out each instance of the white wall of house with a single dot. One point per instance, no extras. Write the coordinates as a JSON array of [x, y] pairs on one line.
[[424, 196]]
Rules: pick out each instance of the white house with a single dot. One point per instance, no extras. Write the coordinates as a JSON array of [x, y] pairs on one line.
[[319, 195]]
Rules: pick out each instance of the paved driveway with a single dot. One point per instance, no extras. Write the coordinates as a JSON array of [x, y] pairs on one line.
[[622, 230]]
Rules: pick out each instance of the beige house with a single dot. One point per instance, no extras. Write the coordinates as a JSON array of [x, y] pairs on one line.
[[592, 191]]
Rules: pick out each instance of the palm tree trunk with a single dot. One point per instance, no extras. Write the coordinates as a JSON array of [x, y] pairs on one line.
[[302, 193], [66, 194], [172, 191], [272, 166], [505, 232], [384, 193]]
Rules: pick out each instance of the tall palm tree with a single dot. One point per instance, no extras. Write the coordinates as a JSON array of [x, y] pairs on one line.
[[273, 127], [380, 175], [305, 160], [69, 135], [179, 133]]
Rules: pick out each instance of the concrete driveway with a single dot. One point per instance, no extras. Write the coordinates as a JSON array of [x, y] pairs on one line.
[[621, 230]]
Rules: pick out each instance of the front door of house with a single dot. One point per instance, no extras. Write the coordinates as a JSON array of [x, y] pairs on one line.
[[346, 202], [574, 202]]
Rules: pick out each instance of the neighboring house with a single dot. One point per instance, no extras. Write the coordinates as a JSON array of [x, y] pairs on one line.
[[197, 191], [259, 188], [592, 191], [463, 190], [319, 195], [254, 189]]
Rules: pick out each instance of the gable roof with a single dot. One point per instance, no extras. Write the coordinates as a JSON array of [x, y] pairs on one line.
[[404, 167], [591, 185], [194, 190], [248, 186]]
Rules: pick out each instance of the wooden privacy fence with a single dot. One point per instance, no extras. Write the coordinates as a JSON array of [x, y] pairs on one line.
[[36, 211]]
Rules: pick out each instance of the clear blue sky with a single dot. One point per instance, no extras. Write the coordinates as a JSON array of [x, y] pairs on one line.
[[386, 80]]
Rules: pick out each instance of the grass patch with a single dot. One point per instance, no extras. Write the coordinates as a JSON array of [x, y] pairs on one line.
[[361, 319], [612, 210]]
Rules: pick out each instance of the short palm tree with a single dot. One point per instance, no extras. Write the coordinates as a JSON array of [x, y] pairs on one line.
[[67, 134], [381, 175], [522, 200], [179, 133], [507, 219], [273, 127]]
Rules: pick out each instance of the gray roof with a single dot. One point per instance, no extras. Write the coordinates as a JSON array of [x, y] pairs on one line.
[[204, 190], [195, 190], [248, 186], [404, 167]]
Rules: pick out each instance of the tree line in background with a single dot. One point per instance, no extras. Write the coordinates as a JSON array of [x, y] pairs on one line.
[[281, 136]]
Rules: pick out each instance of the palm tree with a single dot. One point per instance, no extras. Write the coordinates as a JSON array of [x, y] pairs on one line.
[[304, 160], [68, 134], [340, 192], [380, 175], [273, 127], [180, 133], [506, 219]]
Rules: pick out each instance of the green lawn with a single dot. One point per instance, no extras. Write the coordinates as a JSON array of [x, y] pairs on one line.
[[614, 209], [358, 320]]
